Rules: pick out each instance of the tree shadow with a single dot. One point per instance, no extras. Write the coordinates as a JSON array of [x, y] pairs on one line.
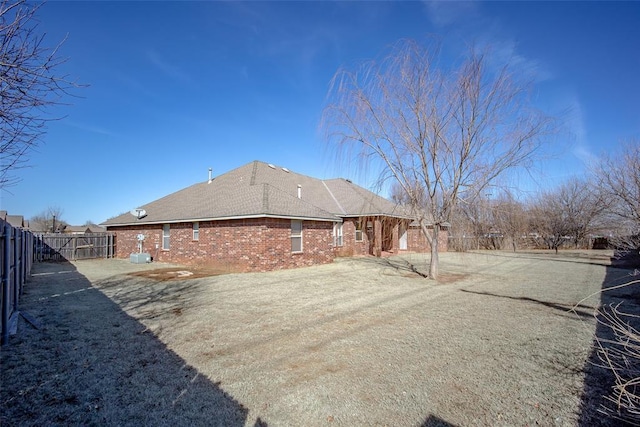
[[90, 363], [570, 257], [599, 380], [434, 421], [582, 311], [403, 264]]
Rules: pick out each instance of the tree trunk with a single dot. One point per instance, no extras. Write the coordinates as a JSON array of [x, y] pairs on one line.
[[433, 242], [435, 261]]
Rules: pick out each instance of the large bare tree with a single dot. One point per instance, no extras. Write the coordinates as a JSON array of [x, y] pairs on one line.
[[30, 82], [618, 177], [445, 132]]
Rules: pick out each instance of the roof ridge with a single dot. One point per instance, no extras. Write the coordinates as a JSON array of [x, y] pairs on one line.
[[297, 199], [333, 197], [265, 197], [254, 173]]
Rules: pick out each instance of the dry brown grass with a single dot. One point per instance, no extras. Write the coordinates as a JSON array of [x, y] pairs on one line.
[[360, 342]]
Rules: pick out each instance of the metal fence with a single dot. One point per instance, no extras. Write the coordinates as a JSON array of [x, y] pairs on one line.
[[72, 247], [16, 258]]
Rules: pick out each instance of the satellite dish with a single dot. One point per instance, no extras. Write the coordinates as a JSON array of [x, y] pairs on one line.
[[138, 213]]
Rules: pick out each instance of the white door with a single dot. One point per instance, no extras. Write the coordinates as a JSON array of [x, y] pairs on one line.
[[403, 238]]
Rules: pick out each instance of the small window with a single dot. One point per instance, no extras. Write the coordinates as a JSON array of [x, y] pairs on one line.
[[166, 234], [296, 235], [337, 234], [358, 231], [196, 231]]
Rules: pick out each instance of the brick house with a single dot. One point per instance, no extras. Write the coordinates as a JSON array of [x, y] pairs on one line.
[[260, 217]]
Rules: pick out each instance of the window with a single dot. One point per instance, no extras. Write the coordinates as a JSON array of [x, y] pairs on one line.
[[337, 234], [359, 231], [196, 231], [296, 235], [166, 234]]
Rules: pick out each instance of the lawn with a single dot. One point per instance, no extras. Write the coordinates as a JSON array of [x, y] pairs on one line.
[[501, 339]]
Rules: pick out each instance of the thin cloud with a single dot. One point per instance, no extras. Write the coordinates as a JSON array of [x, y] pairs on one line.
[[90, 128], [445, 13], [268, 37], [577, 126], [169, 69], [244, 72], [134, 84], [506, 52], [465, 21]]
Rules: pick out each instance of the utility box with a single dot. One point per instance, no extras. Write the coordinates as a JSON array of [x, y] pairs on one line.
[[142, 258]]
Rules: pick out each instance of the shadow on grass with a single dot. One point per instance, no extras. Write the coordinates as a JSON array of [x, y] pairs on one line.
[[433, 421], [575, 258], [569, 309], [409, 264], [600, 380], [92, 364]]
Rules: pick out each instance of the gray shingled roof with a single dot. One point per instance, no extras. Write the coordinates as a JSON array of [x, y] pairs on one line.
[[258, 189], [16, 221]]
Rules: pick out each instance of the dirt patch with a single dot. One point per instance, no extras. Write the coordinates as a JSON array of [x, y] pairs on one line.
[[362, 341], [179, 273]]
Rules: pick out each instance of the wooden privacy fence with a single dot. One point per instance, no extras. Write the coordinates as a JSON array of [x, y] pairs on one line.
[[71, 247], [16, 258]]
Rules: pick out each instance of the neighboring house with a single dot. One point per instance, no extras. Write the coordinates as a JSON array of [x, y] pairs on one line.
[[260, 217], [16, 221], [83, 229]]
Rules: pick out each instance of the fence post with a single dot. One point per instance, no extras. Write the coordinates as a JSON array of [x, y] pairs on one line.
[[6, 268], [18, 265]]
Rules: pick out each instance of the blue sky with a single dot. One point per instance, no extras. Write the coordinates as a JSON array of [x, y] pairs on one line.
[[178, 87]]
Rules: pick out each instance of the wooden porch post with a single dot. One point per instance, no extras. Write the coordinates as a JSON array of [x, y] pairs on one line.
[[377, 230]]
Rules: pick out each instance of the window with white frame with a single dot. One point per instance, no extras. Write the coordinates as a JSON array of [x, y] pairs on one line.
[[337, 234], [359, 231], [196, 231], [166, 234], [296, 235]]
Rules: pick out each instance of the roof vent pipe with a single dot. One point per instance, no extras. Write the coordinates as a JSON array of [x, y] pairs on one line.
[[299, 191], [210, 177]]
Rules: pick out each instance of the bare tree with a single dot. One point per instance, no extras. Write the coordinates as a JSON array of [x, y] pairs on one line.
[[48, 221], [584, 205], [451, 131], [618, 177], [478, 214], [511, 218], [548, 220], [569, 213], [29, 83]]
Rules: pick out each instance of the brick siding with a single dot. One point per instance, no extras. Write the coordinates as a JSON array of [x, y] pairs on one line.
[[351, 247], [416, 241], [262, 244]]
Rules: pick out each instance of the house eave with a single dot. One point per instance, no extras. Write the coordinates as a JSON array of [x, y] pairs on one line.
[[372, 214], [223, 218]]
